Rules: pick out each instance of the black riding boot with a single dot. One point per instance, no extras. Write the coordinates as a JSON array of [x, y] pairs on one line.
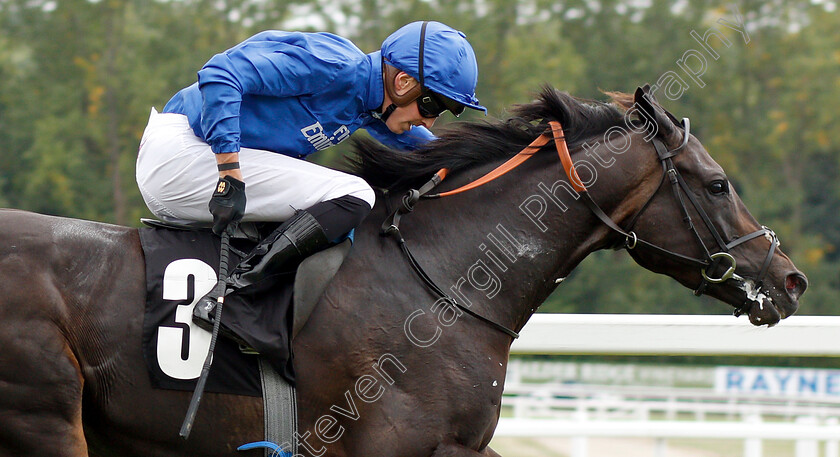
[[281, 252]]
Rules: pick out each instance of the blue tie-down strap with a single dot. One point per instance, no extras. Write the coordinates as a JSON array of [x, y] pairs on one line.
[[276, 450]]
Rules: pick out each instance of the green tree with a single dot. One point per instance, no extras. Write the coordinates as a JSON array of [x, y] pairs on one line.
[[78, 78]]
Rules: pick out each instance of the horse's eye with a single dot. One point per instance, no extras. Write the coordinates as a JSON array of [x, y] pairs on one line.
[[719, 187]]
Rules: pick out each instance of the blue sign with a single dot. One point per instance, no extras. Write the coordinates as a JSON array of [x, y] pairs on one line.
[[778, 381]]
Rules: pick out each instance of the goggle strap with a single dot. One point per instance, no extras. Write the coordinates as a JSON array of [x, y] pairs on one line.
[[422, 51]]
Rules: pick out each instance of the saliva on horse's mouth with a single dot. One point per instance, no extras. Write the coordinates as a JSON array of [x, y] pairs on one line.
[[756, 296]]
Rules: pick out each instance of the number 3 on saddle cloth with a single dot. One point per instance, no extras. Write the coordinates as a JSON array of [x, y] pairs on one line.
[[181, 267]]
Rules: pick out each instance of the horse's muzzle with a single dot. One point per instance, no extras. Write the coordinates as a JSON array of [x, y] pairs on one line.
[[795, 285], [768, 305]]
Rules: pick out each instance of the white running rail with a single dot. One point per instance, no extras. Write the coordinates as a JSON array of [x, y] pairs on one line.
[[662, 334], [675, 335]]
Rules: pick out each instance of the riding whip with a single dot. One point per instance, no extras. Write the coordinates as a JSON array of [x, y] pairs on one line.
[[219, 292]]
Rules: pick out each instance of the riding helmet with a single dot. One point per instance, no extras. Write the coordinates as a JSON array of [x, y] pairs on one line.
[[448, 68]]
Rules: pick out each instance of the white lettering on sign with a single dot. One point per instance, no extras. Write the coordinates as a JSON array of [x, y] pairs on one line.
[[777, 381], [171, 340]]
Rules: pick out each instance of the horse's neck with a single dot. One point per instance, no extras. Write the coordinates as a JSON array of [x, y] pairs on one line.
[[503, 246], [489, 254]]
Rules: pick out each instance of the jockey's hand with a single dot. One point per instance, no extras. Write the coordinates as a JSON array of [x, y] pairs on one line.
[[227, 205]]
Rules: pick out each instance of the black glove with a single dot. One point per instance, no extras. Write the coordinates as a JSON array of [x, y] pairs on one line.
[[227, 205]]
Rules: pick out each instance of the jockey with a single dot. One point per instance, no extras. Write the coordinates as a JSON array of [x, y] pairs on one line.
[[264, 105]]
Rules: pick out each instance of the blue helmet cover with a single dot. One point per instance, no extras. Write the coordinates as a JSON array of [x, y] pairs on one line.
[[449, 64]]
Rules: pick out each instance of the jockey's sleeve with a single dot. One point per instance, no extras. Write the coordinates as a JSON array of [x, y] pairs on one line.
[[258, 67], [407, 141]]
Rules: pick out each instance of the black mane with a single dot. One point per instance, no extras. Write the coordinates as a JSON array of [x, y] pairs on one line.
[[464, 144]]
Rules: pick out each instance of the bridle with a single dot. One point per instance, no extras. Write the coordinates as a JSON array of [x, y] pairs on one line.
[[711, 261], [707, 264]]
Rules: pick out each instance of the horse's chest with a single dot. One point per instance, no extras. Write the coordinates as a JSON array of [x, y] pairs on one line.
[[476, 392]]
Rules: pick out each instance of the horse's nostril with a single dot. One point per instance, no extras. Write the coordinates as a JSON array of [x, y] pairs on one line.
[[795, 284]]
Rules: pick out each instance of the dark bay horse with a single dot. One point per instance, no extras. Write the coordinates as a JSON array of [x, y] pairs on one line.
[[384, 367]]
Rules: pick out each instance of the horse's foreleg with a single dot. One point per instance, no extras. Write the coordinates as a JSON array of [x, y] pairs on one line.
[[456, 450]]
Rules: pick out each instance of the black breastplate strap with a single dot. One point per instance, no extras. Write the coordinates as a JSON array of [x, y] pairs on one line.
[[391, 227]]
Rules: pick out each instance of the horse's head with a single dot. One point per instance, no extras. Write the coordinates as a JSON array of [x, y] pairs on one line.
[[668, 200], [697, 230]]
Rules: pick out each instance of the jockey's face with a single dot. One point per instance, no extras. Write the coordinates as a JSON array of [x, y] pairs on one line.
[[404, 117]]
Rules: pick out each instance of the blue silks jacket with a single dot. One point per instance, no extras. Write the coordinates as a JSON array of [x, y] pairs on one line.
[[289, 92]]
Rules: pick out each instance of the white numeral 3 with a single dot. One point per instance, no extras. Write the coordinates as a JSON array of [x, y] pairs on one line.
[[170, 339]]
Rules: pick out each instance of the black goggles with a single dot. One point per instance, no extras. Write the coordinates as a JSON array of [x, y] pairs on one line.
[[431, 105]]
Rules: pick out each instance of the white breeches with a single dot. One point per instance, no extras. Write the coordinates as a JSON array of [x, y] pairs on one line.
[[176, 174]]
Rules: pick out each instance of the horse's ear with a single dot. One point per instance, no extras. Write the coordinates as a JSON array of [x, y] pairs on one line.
[[656, 118]]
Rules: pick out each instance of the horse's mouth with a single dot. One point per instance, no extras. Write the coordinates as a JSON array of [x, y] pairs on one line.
[[766, 306], [764, 312]]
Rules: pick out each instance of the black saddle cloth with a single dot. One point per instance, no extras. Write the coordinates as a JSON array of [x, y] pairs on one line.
[[182, 266]]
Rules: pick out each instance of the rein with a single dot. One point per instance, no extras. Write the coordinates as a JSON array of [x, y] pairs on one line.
[[631, 241], [391, 226]]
